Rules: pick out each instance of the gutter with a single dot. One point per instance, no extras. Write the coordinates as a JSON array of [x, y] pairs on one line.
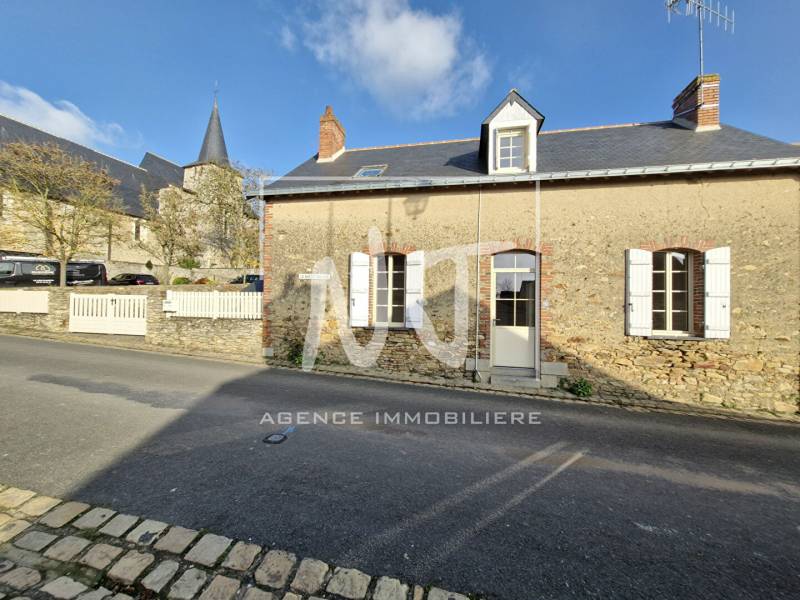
[[429, 182]]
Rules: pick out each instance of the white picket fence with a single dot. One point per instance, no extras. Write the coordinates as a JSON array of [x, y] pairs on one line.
[[214, 305], [24, 301], [108, 313]]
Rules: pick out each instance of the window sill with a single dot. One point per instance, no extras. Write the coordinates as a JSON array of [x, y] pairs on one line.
[[389, 328], [676, 338]]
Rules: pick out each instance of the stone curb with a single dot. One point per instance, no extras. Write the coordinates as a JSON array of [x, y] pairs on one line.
[[55, 555]]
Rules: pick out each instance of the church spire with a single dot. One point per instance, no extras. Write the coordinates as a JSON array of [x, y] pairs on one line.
[[214, 150]]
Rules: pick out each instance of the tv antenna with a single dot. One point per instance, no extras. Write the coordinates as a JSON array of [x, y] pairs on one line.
[[702, 9]]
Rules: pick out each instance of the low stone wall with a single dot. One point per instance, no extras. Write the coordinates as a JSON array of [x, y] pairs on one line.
[[707, 372], [236, 338]]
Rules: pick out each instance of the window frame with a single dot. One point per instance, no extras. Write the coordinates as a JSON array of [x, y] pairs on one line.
[[390, 288], [515, 270], [669, 330], [511, 132], [361, 171]]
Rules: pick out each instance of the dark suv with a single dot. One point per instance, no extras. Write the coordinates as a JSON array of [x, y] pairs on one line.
[[32, 271], [133, 279], [86, 273]]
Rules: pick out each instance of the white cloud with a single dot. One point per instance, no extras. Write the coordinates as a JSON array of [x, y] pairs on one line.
[[61, 118], [288, 38], [413, 62]]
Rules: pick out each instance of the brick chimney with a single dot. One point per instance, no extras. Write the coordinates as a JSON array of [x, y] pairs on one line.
[[331, 137], [697, 106]]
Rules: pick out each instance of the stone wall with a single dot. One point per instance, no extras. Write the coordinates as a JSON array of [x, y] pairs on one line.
[[236, 338], [585, 230]]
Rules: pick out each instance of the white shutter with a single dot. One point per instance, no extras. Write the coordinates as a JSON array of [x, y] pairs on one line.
[[415, 279], [718, 293], [359, 289], [639, 292]]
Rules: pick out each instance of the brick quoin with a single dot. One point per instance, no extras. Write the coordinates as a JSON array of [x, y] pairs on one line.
[[266, 337]]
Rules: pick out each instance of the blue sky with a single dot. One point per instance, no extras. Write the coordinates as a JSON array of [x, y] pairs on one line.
[[126, 77]]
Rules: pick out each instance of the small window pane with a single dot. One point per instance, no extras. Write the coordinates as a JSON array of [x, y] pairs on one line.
[[680, 281], [526, 261], [516, 162], [504, 285], [659, 280], [516, 141], [659, 321], [381, 312], [659, 261], [680, 301], [678, 261], [526, 286], [680, 321], [659, 301], [398, 263], [398, 296], [399, 280], [397, 314], [382, 297], [504, 312], [504, 261], [525, 313], [380, 263]]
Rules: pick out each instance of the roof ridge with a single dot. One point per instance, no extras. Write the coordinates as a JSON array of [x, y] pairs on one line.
[[475, 139], [58, 137], [161, 157], [472, 139], [593, 127]]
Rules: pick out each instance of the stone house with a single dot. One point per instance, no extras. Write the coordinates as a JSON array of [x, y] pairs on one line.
[[124, 251], [654, 260]]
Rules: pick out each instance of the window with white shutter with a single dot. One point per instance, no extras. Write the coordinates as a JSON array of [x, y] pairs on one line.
[[717, 302], [639, 292], [415, 280], [359, 289], [390, 285], [673, 288]]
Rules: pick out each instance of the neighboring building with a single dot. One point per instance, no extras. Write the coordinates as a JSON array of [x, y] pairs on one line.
[[153, 173], [662, 259]]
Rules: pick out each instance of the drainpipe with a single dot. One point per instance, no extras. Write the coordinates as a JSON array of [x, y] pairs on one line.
[[476, 376]]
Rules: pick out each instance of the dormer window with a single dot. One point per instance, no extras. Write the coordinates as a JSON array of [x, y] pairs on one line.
[[371, 171], [509, 136], [510, 150]]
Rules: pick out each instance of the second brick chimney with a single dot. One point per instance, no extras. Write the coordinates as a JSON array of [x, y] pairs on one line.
[[697, 106], [331, 137]]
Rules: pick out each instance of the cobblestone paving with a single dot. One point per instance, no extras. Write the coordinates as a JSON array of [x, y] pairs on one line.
[[70, 550]]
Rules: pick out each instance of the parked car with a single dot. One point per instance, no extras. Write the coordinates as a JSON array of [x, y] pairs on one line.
[[133, 279], [30, 271], [249, 278], [86, 273]]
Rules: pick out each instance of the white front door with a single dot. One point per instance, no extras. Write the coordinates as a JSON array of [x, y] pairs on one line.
[[514, 310]]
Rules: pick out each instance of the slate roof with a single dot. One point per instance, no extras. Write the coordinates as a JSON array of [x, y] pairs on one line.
[[153, 173], [625, 146], [213, 149]]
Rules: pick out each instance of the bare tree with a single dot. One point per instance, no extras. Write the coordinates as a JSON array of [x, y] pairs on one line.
[[70, 201], [171, 218]]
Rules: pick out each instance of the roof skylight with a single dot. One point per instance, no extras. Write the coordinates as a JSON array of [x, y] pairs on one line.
[[370, 171]]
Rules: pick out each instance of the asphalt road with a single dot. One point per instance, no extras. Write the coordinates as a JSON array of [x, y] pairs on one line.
[[593, 502]]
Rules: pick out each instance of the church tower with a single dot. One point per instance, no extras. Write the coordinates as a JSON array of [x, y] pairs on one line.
[[213, 152]]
